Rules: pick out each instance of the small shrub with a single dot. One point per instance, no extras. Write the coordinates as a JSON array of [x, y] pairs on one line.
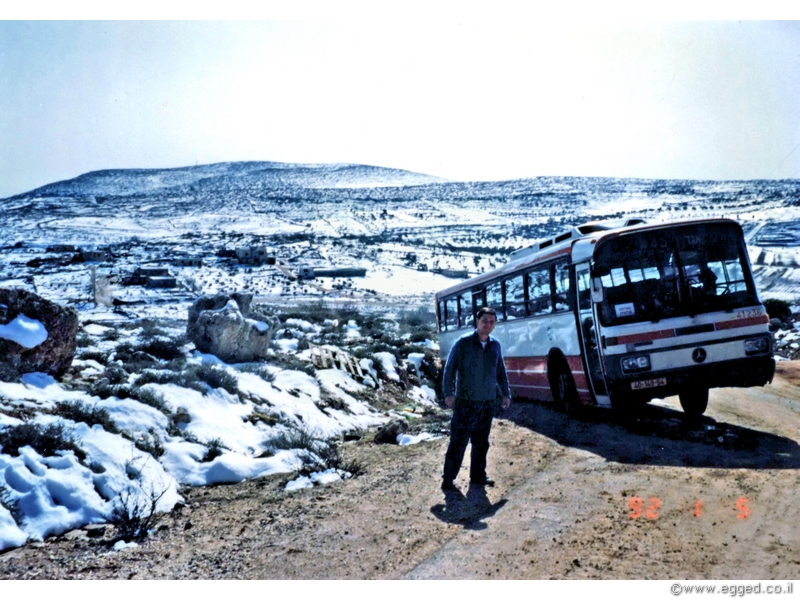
[[404, 351], [319, 313], [160, 377], [217, 378], [215, 448], [292, 439], [133, 358], [151, 328], [187, 379], [103, 389], [84, 340], [779, 309], [93, 355], [151, 398], [260, 370], [174, 431], [115, 374], [11, 505], [111, 335], [134, 514], [165, 349], [319, 454], [45, 439], [80, 412], [150, 444], [290, 362], [417, 318], [327, 456]]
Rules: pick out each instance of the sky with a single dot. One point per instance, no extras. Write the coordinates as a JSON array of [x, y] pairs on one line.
[[478, 97]]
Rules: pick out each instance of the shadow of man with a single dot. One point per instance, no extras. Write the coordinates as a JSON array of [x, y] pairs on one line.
[[468, 511]]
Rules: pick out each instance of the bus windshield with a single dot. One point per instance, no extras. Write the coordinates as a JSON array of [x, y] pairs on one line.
[[680, 271]]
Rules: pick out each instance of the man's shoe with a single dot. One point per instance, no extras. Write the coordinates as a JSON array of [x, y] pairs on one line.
[[486, 481], [448, 486]]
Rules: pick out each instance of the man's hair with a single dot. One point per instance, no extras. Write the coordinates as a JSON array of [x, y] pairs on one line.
[[485, 310]]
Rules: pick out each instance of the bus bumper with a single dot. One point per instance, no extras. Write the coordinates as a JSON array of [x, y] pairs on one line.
[[745, 372]]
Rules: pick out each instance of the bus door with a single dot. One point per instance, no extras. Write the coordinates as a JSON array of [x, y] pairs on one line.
[[588, 335]]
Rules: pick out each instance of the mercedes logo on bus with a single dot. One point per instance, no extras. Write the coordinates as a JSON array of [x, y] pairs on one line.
[[698, 355]]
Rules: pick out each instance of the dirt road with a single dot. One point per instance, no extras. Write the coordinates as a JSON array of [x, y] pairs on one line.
[[580, 498]]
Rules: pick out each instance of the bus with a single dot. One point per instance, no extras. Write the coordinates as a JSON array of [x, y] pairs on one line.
[[617, 313]]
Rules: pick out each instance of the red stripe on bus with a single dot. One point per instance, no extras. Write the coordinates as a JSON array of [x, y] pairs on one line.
[[526, 363], [635, 338], [762, 319], [527, 378], [668, 333], [538, 363]]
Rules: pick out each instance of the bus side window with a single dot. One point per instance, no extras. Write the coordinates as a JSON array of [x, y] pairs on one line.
[[561, 279], [467, 315], [441, 315], [494, 298], [479, 300], [451, 315], [515, 298], [539, 292]]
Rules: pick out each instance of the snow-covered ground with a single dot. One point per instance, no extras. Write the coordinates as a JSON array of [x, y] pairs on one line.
[[330, 215], [189, 437]]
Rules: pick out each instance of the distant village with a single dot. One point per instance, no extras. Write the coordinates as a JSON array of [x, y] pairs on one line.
[[138, 271]]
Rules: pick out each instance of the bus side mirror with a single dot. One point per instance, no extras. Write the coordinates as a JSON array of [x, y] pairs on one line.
[[597, 290]]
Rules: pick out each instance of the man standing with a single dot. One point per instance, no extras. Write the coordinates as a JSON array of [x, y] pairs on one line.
[[474, 377]]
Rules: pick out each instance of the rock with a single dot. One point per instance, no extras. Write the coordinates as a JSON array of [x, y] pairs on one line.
[[96, 530], [58, 326], [389, 432], [228, 327]]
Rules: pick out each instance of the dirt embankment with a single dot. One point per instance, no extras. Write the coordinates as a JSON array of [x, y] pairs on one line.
[[579, 497]]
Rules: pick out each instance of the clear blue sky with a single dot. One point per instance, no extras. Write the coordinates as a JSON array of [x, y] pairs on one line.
[[514, 95]]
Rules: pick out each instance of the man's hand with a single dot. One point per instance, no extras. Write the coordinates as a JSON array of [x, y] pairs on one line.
[[450, 401], [506, 403]]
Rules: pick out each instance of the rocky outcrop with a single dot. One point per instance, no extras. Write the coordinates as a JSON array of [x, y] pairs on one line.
[[36, 335], [389, 433], [230, 328]]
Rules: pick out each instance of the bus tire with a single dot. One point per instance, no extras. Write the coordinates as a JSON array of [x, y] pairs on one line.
[[562, 384], [694, 401]]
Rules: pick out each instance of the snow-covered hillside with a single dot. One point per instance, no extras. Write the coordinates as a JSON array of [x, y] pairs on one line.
[[409, 231]]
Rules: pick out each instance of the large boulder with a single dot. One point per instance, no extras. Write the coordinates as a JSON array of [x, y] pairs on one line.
[[36, 335], [228, 327]]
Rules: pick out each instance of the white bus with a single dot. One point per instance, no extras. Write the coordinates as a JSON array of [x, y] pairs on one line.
[[616, 313]]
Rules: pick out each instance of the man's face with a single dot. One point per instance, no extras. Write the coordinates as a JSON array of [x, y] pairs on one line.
[[486, 324]]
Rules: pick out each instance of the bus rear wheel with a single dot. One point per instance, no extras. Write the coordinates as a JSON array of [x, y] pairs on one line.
[[562, 385], [694, 402]]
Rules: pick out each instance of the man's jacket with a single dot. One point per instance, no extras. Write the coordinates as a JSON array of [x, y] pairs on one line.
[[474, 373]]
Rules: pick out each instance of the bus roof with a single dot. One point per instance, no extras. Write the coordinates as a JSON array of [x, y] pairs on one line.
[[578, 243]]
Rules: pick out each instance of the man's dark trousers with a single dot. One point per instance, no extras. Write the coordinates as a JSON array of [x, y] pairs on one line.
[[471, 422]]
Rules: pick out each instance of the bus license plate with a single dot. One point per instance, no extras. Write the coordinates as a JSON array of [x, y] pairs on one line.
[[648, 383]]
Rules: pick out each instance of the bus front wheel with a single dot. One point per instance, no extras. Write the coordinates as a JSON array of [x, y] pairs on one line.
[[694, 402]]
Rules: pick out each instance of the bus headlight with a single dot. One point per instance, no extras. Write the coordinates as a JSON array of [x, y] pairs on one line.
[[635, 364], [759, 345]]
